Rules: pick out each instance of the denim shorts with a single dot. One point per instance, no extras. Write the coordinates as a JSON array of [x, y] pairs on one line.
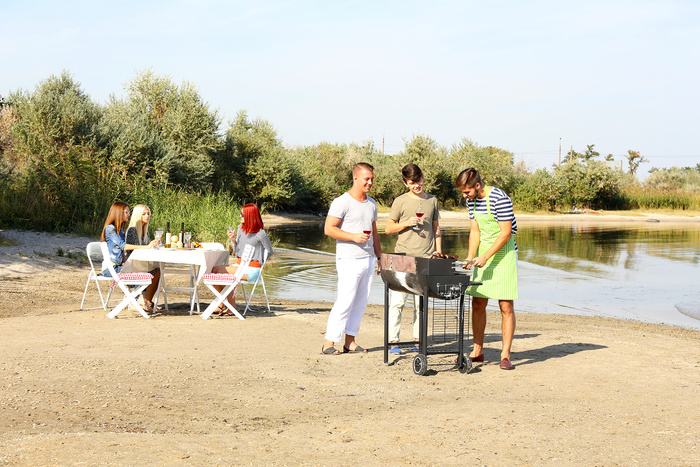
[[106, 272], [252, 274]]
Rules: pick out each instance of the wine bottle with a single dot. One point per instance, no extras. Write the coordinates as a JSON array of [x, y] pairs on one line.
[[167, 235], [181, 238]]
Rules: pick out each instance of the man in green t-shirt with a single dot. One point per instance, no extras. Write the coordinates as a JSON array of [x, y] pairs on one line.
[[415, 218]]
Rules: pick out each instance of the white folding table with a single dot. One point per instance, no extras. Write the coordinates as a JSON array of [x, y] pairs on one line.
[[145, 259]]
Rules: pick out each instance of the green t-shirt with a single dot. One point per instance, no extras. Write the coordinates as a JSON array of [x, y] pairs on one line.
[[410, 242]]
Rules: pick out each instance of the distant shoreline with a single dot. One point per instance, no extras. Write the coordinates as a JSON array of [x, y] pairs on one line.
[[457, 218]]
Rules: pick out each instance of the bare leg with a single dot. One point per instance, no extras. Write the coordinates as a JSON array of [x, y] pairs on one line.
[[151, 289], [479, 324], [328, 344], [507, 326], [349, 340]]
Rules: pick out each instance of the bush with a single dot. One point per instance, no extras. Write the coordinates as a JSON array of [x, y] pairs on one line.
[[540, 191]]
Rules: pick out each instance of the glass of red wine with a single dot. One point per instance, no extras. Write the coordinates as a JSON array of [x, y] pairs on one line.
[[419, 215], [367, 231]]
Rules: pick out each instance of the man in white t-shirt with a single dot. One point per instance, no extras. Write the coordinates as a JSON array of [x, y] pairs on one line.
[[352, 222]]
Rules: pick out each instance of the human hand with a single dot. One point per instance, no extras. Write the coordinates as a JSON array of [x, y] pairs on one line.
[[232, 236], [361, 237], [153, 243]]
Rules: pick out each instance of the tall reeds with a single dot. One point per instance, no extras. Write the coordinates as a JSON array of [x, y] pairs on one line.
[[647, 198]]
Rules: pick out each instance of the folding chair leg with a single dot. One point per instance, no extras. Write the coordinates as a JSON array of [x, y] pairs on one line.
[[252, 292], [85, 293], [221, 297], [102, 300], [266, 299], [129, 297]]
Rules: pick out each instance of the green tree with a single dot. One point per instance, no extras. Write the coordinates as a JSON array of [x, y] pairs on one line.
[[542, 190], [674, 179], [590, 153], [592, 185], [267, 174], [57, 116], [633, 160], [433, 160], [494, 164], [163, 129]]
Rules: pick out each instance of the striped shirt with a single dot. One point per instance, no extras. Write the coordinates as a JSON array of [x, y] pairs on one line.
[[501, 207]]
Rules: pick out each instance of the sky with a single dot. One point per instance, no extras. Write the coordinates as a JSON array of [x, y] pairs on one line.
[[525, 76]]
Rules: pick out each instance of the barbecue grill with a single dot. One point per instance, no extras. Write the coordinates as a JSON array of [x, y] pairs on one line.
[[426, 277]]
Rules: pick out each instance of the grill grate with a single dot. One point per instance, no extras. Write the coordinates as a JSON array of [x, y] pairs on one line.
[[443, 328]]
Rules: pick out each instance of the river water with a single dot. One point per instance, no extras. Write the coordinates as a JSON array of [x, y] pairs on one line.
[[644, 271]]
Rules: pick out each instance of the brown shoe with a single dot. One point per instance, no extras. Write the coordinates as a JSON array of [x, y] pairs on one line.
[[506, 365]]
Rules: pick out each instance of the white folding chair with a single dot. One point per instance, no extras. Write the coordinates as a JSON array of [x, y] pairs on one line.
[[168, 269], [229, 281], [123, 280], [94, 252], [260, 280]]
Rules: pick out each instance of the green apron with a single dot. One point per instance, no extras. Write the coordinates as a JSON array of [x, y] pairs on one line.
[[500, 274]]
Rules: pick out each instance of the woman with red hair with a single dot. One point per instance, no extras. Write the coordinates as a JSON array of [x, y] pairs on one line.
[[250, 232]]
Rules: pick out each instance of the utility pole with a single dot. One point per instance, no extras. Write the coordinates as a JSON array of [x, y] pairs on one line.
[[560, 150]]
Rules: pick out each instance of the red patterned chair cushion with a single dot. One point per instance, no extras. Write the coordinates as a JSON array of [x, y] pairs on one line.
[[135, 276], [210, 276]]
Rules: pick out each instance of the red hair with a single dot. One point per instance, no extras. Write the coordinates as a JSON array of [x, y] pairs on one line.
[[252, 222]]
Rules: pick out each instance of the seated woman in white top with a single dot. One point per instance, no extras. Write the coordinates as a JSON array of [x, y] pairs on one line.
[[250, 232]]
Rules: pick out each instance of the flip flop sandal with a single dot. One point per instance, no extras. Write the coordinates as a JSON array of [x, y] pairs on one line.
[[330, 351], [227, 313], [357, 349]]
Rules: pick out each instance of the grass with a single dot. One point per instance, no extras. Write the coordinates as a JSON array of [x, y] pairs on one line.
[[6, 241]]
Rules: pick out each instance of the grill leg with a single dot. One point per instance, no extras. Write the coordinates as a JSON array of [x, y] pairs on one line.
[[461, 325], [386, 324], [423, 318]]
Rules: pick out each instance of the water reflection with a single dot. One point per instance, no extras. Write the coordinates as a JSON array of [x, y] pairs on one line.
[[639, 270]]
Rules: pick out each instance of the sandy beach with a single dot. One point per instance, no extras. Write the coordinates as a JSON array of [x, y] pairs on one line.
[[77, 388]]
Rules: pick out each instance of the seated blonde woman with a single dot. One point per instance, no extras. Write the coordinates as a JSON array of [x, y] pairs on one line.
[[137, 238], [250, 232]]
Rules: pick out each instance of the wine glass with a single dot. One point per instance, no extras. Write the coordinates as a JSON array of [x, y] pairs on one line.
[[367, 231], [158, 235], [419, 215], [230, 229], [188, 237]]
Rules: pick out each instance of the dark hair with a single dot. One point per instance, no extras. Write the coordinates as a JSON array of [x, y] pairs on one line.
[[252, 222], [361, 166], [411, 172], [468, 178]]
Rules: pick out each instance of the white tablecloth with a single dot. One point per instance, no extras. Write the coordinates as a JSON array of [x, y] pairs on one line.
[[145, 259], [142, 260]]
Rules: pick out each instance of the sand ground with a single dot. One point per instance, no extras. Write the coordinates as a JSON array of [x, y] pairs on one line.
[[79, 389]]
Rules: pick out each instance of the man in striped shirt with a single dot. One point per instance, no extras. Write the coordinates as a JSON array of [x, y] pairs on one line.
[[493, 254]]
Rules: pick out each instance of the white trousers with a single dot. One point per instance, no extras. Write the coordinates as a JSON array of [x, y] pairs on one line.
[[354, 284], [397, 301]]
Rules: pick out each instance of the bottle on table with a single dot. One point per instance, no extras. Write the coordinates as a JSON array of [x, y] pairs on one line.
[[181, 238], [168, 235]]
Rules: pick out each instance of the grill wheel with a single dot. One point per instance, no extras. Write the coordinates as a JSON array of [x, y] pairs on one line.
[[420, 364]]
